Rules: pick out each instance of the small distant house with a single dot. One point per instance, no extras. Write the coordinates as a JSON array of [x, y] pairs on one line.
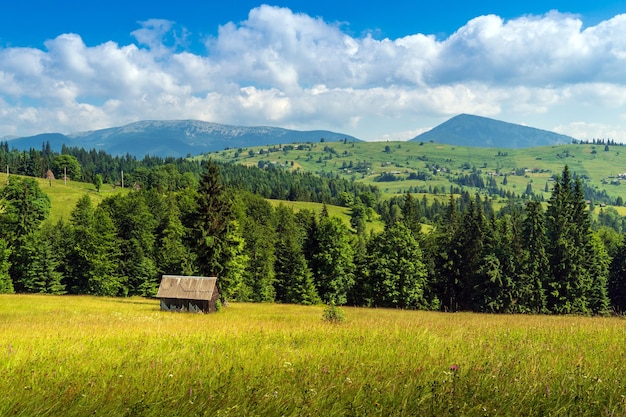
[[188, 293]]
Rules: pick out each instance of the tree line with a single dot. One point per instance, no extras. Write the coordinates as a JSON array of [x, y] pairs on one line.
[[522, 259]]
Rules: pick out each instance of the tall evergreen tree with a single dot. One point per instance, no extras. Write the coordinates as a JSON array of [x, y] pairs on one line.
[[294, 280], [499, 266], [468, 251], [173, 256], [617, 279], [135, 227], [532, 281], [25, 207], [42, 273], [411, 216], [92, 263], [6, 284], [574, 286], [258, 230], [441, 249], [216, 234]]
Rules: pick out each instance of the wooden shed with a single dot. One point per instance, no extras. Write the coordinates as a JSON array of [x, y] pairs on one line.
[[188, 293]]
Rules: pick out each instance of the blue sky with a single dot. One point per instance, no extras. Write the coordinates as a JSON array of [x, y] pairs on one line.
[[375, 70]]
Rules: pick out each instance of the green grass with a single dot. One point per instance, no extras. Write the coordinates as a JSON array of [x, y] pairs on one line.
[[64, 196], [77, 356]]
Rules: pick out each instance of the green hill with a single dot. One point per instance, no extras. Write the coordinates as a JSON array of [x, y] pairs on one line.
[[398, 167], [63, 196]]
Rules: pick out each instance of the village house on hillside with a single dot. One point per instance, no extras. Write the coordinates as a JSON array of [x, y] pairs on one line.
[[188, 293]]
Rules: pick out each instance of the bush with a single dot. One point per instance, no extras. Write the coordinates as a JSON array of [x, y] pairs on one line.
[[333, 314]]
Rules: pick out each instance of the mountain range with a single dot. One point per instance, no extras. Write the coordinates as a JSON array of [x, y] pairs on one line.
[[179, 138], [176, 138]]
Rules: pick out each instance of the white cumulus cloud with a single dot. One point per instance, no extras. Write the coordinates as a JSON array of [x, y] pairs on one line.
[[289, 69]]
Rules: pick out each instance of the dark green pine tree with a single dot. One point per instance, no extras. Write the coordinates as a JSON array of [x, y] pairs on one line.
[[173, 255], [358, 216], [6, 284], [532, 281], [135, 227], [594, 257], [25, 207], [576, 278], [411, 216], [77, 265], [599, 301], [42, 270], [495, 283], [360, 293], [617, 279], [468, 252], [294, 280], [440, 248], [397, 276], [105, 252], [216, 234], [258, 228], [91, 266]]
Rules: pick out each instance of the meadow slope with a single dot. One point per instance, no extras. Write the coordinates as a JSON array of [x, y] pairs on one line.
[[366, 161]]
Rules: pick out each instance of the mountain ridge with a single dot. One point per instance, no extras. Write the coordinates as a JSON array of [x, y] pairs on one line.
[[175, 138], [179, 138]]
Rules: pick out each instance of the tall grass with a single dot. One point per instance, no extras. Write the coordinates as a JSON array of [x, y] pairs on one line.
[[78, 356]]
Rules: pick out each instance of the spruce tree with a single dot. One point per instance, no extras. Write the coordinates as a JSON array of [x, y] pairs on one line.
[[6, 284], [294, 280], [257, 219], [617, 279], [447, 275], [468, 250], [214, 228], [41, 269], [576, 273], [532, 281]]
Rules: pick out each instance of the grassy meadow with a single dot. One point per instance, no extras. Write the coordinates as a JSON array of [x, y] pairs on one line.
[[64, 195], [78, 356]]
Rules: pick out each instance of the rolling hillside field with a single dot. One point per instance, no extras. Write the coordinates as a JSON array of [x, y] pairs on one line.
[[79, 355], [63, 196], [365, 161]]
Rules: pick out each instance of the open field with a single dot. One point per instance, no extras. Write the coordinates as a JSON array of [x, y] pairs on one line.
[[78, 356], [63, 196]]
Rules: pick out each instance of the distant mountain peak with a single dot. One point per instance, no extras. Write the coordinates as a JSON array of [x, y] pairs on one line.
[[471, 130]]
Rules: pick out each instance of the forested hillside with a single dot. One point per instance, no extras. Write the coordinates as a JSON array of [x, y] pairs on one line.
[[520, 258], [436, 169]]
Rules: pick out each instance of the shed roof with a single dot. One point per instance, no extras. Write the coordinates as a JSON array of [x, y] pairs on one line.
[[187, 287]]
